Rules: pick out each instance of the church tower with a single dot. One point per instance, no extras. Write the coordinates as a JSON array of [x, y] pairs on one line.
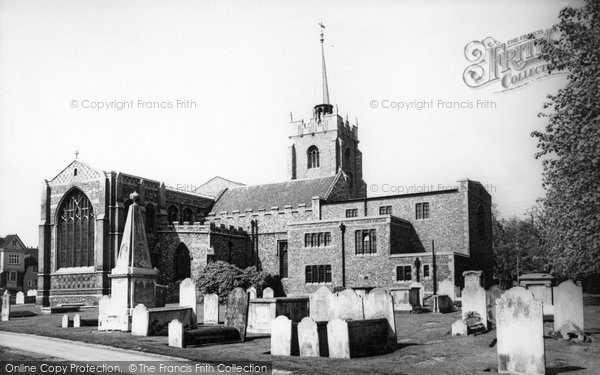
[[326, 144]]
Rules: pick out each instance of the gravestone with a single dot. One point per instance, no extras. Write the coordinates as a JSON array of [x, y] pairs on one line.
[[176, 333], [348, 305], [187, 294], [211, 309], [540, 284], [491, 295], [20, 299], [308, 338], [446, 287], [474, 303], [338, 339], [32, 293], [520, 333], [65, 321], [5, 306], [401, 298], [251, 292], [379, 304], [459, 328], [568, 305], [281, 336], [268, 293], [139, 321], [236, 314], [322, 303], [472, 277], [77, 321]]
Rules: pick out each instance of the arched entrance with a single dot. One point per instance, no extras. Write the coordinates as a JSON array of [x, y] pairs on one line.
[[182, 263]]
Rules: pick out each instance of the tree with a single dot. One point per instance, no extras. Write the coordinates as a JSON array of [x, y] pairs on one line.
[[570, 146]]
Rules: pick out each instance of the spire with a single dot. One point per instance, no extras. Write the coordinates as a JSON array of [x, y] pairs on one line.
[[324, 77], [325, 108]]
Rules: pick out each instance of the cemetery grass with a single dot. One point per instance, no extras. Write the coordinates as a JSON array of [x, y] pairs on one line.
[[425, 346]]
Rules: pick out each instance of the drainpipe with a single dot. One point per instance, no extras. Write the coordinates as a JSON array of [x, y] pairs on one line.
[[434, 267], [342, 232]]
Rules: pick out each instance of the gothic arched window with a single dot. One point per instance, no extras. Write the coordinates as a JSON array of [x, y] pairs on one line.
[[182, 263], [150, 215], [188, 215], [75, 231], [173, 215], [313, 157]]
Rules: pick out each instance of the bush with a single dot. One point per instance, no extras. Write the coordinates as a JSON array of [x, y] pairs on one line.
[[221, 278]]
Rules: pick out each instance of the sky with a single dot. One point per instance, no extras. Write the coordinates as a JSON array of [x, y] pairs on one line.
[[227, 76]]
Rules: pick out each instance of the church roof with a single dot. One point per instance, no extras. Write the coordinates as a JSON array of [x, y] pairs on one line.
[[215, 186], [289, 193]]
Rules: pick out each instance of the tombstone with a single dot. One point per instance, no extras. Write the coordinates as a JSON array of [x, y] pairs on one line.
[[472, 277], [348, 305], [459, 328], [281, 336], [540, 284], [568, 305], [379, 304], [140, 321], [20, 299], [520, 333], [474, 299], [321, 304], [176, 333], [308, 338], [268, 293], [401, 297], [6, 306], [491, 295], [236, 314], [187, 294], [251, 292], [338, 339], [446, 287], [65, 321], [211, 309], [77, 321], [32, 293]]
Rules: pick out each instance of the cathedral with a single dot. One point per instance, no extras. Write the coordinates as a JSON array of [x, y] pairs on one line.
[[316, 229]]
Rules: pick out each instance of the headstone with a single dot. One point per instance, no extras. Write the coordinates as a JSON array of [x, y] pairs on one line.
[[459, 328], [520, 333], [308, 338], [20, 299], [32, 293], [139, 321], [401, 298], [338, 339], [379, 304], [5, 306], [474, 301], [540, 284], [251, 292], [236, 314], [568, 305], [77, 321], [348, 305], [491, 295], [211, 308], [176, 334], [187, 294], [472, 278], [268, 293], [281, 336], [322, 303], [65, 321]]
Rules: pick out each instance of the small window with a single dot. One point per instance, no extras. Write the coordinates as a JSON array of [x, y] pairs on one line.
[[403, 273], [365, 241], [12, 276], [385, 210], [317, 239], [422, 211], [13, 259], [313, 157], [327, 239], [318, 273], [353, 212], [307, 240], [29, 283], [75, 172], [426, 272]]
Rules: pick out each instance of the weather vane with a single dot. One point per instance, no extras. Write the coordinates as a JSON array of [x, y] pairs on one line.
[[322, 27]]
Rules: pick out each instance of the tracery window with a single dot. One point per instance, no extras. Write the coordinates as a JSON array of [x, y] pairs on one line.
[[313, 157], [75, 231]]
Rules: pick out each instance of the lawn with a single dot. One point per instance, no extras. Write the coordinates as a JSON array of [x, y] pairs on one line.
[[425, 346]]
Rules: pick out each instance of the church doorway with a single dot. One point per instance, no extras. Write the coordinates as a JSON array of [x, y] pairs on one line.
[[182, 263]]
